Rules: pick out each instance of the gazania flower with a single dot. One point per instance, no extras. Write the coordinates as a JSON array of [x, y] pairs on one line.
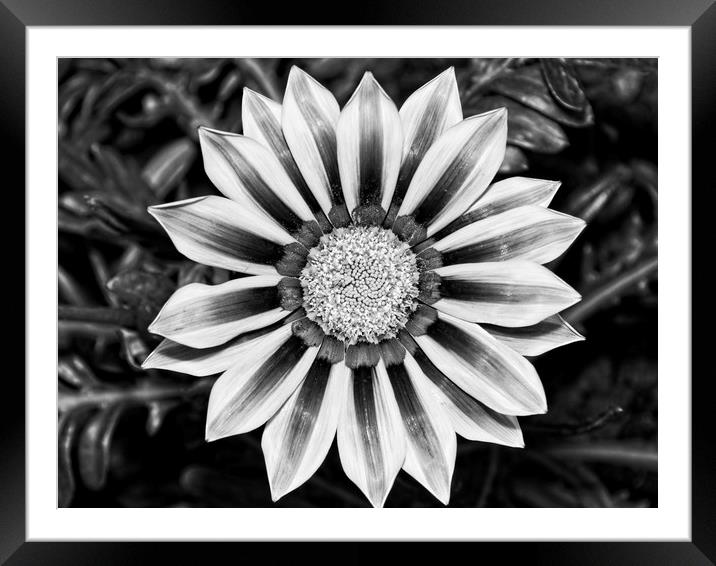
[[392, 293]]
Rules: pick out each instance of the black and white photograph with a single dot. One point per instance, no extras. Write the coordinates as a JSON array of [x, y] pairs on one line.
[[357, 282], [418, 275]]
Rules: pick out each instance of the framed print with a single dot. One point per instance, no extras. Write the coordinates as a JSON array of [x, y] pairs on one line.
[[392, 279]]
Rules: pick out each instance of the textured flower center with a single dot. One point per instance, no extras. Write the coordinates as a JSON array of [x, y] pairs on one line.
[[360, 284]]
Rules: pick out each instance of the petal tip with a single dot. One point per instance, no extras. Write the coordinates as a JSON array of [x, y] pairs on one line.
[[210, 435], [447, 76], [501, 113], [296, 74], [276, 493], [147, 363], [250, 96]]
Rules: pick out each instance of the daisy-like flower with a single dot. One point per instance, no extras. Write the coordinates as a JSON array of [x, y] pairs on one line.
[[392, 291]]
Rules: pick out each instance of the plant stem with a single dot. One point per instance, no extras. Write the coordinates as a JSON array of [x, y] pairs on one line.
[[104, 315], [144, 394], [339, 492], [488, 77], [610, 290], [577, 428], [635, 456], [489, 477], [258, 73], [70, 290]]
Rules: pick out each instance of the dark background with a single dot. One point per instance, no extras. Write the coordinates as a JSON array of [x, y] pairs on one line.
[[127, 139]]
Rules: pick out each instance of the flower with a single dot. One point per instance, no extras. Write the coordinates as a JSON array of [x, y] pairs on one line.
[[392, 291]]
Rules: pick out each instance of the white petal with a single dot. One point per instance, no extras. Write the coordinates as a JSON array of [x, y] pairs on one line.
[[431, 442], [531, 233], [251, 391], [470, 418], [508, 293], [425, 115], [428, 112], [261, 119], [172, 356], [456, 170], [369, 147], [512, 193], [371, 440], [217, 231], [297, 439], [249, 173], [309, 119], [539, 338], [202, 316], [483, 367]]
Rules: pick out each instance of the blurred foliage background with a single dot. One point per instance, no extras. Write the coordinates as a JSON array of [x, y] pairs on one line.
[[127, 139]]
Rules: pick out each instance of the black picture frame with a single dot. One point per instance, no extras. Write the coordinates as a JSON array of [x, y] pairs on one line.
[[17, 15]]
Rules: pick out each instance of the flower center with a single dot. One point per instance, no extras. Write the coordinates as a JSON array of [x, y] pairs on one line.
[[360, 284]]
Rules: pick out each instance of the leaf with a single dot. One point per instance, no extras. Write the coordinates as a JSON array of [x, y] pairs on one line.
[[526, 85], [563, 85], [138, 288], [525, 127], [121, 175], [169, 166], [75, 371], [67, 433], [219, 489], [94, 446], [134, 350], [157, 411], [515, 161], [76, 170]]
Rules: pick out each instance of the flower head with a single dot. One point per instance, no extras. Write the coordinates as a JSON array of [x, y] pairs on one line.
[[392, 291]]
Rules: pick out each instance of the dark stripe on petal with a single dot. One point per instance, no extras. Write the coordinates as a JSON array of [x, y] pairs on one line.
[[259, 385], [302, 422], [293, 260], [502, 293], [173, 356], [455, 175], [492, 422], [254, 183], [421, 320], [370, 148], [408, 230], [536, 339], [430, 259], [219, 237], [308, 233], [408, 341], [273, 135], [511, 244], [368, 215], [392, 352], [420, 430], [290, 293], [361, 355], [496, 206], [323, 134], [483, 358], [364, 397], [428, 130], [308, 331], [429, 286], [332, 350], [205, 312]]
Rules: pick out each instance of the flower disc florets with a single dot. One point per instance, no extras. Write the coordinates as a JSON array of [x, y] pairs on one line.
[[360, 284]]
